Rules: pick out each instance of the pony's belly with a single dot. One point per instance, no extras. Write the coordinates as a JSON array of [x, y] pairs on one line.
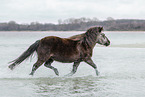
[[65, 59]]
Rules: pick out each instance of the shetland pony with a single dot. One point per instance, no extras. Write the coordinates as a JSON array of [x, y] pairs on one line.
[[75, 49]]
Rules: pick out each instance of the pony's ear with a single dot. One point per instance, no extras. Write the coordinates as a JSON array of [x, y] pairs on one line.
[[100, 29]]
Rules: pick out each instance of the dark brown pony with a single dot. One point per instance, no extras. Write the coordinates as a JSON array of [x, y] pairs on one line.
[[74, 49]]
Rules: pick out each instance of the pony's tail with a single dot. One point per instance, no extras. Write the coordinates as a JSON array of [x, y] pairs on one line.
[[25, 55]]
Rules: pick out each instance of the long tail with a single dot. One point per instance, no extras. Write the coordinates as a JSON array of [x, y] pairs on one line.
[[25, 55]]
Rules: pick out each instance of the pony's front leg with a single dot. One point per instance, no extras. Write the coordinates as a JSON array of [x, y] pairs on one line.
[[36, 66], [91, 63], [75, 66]]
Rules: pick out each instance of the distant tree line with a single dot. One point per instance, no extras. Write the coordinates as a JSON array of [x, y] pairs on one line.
[[78, 24]]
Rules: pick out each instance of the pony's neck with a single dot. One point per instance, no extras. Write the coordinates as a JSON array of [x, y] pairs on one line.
[[90, 39]]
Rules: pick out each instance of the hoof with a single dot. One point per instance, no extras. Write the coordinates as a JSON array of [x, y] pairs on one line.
[[11, 67], [31, 74], [97, 73], [56, 72]]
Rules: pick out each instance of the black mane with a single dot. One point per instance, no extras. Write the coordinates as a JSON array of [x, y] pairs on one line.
[[90, 36]]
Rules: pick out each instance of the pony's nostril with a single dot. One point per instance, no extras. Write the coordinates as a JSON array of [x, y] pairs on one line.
[[107, 44]]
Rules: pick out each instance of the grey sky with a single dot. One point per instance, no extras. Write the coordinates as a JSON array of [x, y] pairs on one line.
[[26, 11]]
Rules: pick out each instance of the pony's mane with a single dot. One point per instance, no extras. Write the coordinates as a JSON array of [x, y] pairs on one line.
[[91, 34]]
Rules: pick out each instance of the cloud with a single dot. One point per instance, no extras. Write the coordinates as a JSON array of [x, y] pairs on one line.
[[52, 10]]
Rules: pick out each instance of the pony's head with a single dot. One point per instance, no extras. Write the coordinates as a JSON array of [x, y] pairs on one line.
[[101, 37], [103, 40]]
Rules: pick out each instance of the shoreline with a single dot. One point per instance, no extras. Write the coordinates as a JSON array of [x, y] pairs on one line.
[[81, 31]]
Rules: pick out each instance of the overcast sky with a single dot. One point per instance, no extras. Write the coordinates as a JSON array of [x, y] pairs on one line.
[[46, 11]]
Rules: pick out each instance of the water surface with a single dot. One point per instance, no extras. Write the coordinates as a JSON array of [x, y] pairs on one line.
[[121, 66]]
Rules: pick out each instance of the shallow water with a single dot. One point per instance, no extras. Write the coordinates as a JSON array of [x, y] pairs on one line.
[[121, 67]]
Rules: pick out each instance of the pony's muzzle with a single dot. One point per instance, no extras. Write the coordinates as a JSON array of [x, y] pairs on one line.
[[107, 43]]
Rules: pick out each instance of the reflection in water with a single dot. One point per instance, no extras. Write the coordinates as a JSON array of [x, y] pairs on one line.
[[88, 86], [82, 86], [114, 85]]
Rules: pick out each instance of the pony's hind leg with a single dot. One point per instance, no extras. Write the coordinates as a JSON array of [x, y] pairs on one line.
[[36, 66], [48, 65]]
